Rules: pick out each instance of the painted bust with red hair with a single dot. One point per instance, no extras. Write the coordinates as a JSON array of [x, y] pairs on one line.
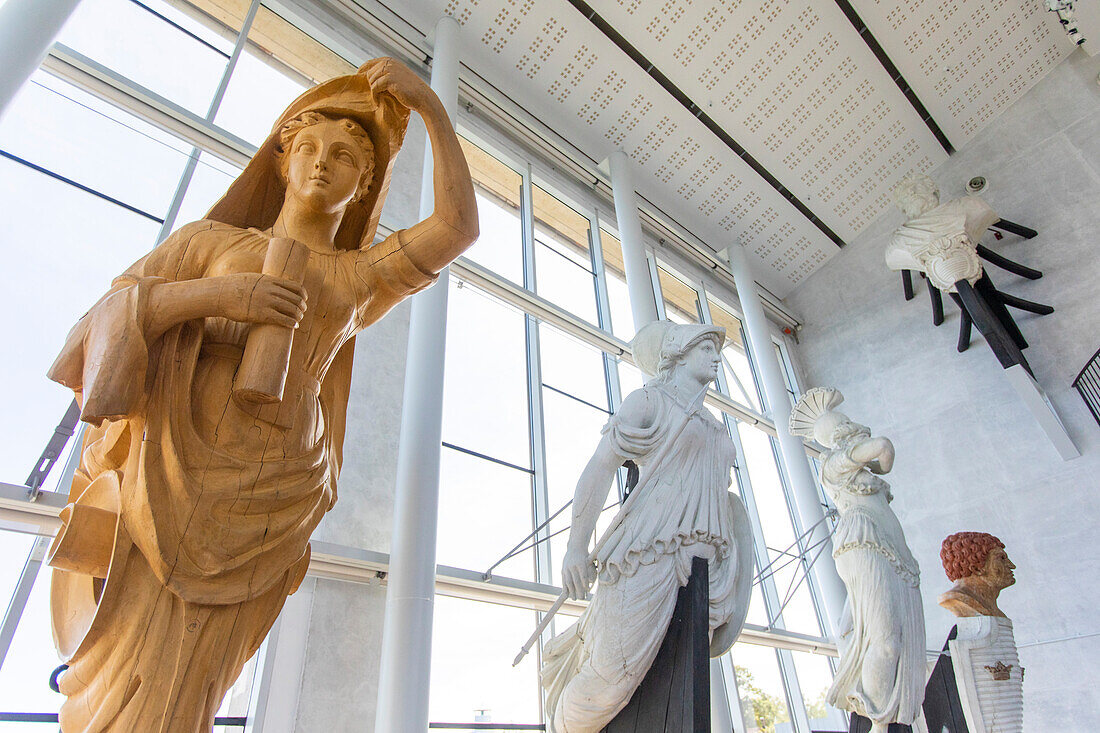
[[980, 567]]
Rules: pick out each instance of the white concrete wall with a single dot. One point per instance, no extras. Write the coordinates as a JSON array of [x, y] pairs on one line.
[[969, 456]]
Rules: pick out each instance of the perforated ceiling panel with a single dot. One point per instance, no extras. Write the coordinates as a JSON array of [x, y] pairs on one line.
[[796, 86], [967, 60], [562, 69]]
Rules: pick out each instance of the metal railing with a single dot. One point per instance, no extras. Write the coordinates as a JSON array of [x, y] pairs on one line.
[[1087, 385]]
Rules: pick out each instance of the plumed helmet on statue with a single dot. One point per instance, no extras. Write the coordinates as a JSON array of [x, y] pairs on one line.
[[658, 345], [255, 198], [815, 417]]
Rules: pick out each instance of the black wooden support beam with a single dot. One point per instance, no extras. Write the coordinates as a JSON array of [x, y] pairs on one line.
[[1006, 264], [992, 328], [937, 304], [1013, 228], [674, 696], [1025, 305]]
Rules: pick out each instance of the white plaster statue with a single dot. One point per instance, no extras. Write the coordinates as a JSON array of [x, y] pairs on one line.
[[983, 655], [683, 510], [937, 239], [882, 664]]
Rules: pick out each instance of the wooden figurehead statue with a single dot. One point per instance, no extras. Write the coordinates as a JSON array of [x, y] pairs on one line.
[[215, 373]]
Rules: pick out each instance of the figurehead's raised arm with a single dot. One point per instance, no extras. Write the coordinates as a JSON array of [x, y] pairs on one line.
[[452, 227]]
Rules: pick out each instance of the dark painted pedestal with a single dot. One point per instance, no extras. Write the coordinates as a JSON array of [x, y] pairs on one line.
[[674, 697], [860, 724], [942, 707]]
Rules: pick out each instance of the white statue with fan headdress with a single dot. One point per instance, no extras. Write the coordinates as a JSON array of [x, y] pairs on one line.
[[882, 667]]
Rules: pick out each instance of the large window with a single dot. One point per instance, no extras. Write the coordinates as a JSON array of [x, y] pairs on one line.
[[525, 396]]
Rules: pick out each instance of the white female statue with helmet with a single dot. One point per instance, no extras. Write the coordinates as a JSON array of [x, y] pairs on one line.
[[681, 509]]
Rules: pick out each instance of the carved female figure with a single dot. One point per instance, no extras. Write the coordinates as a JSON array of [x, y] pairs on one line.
[[882, 668], [193, 505], [591, 670]]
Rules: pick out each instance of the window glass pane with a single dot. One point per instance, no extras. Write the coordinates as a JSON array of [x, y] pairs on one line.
[[561, 227], [208, 184], [564, 283], [151, 51], [758, 612], [572, 366], [779, 533], [56, 126], [258, 92], [814, 678], [793, 588], [735, 361], [498, 189], [25, 676], [572, 433], [618, 297], [760, 687], [14, 547], [630, 378], [563, 263], [484, 510], [485, 382], [767, 490], [681, 299], [60, 265], [473, 644]]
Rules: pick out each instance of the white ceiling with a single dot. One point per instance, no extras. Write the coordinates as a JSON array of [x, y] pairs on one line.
[[791, 82], [967, 61]]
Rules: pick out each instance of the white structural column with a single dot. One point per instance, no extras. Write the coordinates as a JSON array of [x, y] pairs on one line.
[[407, 635], [792, 451], [639, 285], [27, 29]]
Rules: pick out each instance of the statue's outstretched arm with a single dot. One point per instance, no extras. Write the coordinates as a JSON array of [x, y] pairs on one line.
[[875, 453], [435, 242]]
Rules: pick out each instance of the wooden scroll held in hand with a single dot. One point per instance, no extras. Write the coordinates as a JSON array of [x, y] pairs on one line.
[[262, 374]]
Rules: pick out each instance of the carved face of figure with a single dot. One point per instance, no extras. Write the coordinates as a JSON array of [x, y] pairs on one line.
[[998, 569], [917, 194], [325, 165], [702, 361]]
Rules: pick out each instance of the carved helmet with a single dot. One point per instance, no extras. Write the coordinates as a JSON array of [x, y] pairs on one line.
[[657, 343]]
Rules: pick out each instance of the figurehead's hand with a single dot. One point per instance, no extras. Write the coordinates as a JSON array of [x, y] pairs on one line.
[[402, 83], [577, 573]]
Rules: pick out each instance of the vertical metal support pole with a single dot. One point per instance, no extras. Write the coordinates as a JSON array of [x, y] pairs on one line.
[[544, 560], [407, 635], [643, 300], [27, 29], [793, 452]]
